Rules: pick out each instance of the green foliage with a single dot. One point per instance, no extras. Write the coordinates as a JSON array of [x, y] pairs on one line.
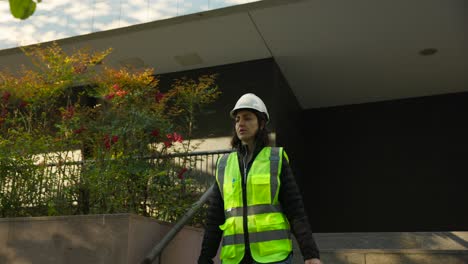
[[118, 122], [22, 9]]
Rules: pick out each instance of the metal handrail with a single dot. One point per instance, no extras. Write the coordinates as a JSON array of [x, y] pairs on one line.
[[158, 248], [156, 251]]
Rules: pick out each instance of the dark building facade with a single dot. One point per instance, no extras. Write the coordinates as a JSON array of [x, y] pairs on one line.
[[376, 167]]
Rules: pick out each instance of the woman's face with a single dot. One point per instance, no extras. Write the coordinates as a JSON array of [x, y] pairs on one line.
[[246, 126]]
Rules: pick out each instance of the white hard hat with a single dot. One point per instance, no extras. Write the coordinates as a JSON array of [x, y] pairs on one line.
[[250, 101]]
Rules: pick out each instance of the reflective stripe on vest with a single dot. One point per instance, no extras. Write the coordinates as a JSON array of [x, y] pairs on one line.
[[274, 167], [220, 171], [268, 228], [254, 209], [256, 237]]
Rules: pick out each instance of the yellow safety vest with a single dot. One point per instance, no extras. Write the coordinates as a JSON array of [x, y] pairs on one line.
[[268, 228]]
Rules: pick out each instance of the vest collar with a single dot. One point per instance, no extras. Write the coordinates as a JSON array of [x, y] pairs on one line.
[[244, 150]]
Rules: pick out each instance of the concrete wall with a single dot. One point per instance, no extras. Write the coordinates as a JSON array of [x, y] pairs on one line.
[[126, 238], [99, 239], [75, 239]]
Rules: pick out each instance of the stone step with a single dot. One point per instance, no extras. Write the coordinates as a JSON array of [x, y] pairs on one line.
[[391, 248], [394, 257]]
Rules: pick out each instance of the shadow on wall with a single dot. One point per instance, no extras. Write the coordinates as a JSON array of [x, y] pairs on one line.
[[46, 251], [392, 258], [65, 240], [458, 240], [394, 248], [436, 241]]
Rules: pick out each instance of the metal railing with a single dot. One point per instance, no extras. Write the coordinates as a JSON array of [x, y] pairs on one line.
[[201, 164], [30, 189], [158, 248]]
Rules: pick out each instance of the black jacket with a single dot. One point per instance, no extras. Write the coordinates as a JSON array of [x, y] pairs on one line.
[[290, 200]]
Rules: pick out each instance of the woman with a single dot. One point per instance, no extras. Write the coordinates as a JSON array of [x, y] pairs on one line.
[[256, 191]]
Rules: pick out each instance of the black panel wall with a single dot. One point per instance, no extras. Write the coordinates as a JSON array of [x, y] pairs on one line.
[[388, 166]]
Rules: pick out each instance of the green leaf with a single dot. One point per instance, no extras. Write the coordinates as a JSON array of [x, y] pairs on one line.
[[22, 9]]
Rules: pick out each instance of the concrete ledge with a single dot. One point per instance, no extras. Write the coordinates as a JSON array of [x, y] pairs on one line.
[[394, 257], [115, 238], [394, 240], [93, 239], [391, 248], [127, 238]]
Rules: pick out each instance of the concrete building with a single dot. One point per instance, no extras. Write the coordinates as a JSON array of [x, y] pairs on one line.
[[369, 98]]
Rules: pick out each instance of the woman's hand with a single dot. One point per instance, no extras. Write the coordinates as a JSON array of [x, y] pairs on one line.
[[313, 261]]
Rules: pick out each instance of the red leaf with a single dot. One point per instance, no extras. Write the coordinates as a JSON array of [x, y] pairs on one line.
[[6, 96], [121, 93], [110, 96], [155, 133], [79, 130], [177, 137], [159, 96], [181, 173], [168, 144], [107, 143], [23, 104]]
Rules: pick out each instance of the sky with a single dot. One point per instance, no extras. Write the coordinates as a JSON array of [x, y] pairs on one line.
[[57, 19]]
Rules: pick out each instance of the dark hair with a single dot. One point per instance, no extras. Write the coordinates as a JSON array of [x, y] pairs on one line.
[[261, 138]]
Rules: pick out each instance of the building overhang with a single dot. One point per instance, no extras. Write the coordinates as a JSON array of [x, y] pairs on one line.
[[330, 52]]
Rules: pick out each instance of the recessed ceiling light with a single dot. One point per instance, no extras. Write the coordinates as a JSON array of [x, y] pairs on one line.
[[428, 52]]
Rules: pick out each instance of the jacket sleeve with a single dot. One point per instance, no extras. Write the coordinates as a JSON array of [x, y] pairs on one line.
[[293, 207], [212, 236]]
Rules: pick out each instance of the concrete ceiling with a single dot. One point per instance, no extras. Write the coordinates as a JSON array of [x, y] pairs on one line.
[[332, 52]]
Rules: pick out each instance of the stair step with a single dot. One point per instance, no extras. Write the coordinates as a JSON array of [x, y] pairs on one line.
[[394, 256], [391, 248]]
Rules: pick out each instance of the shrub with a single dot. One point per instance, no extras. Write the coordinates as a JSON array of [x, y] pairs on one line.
[[117, 121]]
